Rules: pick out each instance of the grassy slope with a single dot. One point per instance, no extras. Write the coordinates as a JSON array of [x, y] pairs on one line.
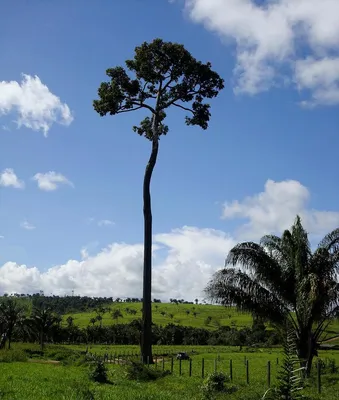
[[221, 316]]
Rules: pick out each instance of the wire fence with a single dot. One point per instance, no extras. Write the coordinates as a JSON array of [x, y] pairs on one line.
[[245, 370]]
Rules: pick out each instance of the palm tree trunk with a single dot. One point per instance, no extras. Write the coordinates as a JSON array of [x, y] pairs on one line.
[[146, 337], [42, 339], [307, 350]]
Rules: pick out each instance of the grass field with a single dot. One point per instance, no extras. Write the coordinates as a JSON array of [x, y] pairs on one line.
[[195, 315], [181, 314], [40, 379]]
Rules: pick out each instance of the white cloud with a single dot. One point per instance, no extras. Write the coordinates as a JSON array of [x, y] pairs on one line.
[[183, 259], [274, 36], [8, 178], [321, 77], [117, 270], [274, 209], [26, 225], [51, 180], [37, 108], [105, 222]]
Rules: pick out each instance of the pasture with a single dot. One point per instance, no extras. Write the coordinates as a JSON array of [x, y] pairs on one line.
[[196, 315], [57, 374]]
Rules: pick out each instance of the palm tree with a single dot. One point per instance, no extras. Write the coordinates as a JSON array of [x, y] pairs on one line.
[[42, 322], [11, 316], [116, 314], [99, 318], [281, 280]]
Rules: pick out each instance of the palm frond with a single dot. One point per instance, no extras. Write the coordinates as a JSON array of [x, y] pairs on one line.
[[254, 258], [290, 377], [231, 287], [331, 241]]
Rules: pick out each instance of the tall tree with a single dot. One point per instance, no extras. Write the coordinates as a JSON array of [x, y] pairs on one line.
[[11, 316], [42, 321], [283, 281], [161, 75]]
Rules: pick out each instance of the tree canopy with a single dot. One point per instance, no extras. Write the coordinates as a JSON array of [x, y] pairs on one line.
[[162, 74]]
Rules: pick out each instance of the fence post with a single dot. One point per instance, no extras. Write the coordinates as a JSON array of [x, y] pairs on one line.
[[172, 365], [163, 363], [203, 368], [319, 376], [156, 361], [245, 359], [247, 373], [277, 360], [231, 370], [269, 373], [215, 365], [190, 372], [180, 366], [148, 361]]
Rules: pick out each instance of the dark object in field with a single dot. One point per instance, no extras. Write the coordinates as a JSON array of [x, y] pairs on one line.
[[183, 356]]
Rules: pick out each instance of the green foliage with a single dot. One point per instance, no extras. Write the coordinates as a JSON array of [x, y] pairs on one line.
[[65, 355], [12, 355], [284, 282], [290, 378], [140, 372], [166, 74], [98, 372], [215, 383]]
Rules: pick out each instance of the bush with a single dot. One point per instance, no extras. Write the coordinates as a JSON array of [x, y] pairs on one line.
[[140, 372], [12, 355], [66, 356], [215, 383], [33, 353], [98, 372]]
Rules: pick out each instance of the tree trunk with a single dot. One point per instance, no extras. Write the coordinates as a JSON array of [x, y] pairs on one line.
[[146, 337], [307, 350], [42, 340]]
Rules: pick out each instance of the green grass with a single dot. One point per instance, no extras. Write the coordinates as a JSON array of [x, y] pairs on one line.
[[220, 315], [35, 381]]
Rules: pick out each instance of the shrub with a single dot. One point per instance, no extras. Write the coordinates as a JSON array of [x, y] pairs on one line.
[[98, 372], [12, 355], [65, 356], [140, 372], [215, 383]]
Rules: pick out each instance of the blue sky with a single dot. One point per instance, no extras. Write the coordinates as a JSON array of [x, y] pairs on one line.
[[259, 131]]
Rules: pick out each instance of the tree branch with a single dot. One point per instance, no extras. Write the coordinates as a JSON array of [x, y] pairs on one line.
[[129, 109], [182, 107], [141, 104]]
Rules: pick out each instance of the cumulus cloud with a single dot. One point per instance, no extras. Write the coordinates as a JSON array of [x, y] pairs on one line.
[[184, 259], [273, 36], [36, 107], [51, 181], [117, 269], [8, 178], [274, 209], [26, 225]]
